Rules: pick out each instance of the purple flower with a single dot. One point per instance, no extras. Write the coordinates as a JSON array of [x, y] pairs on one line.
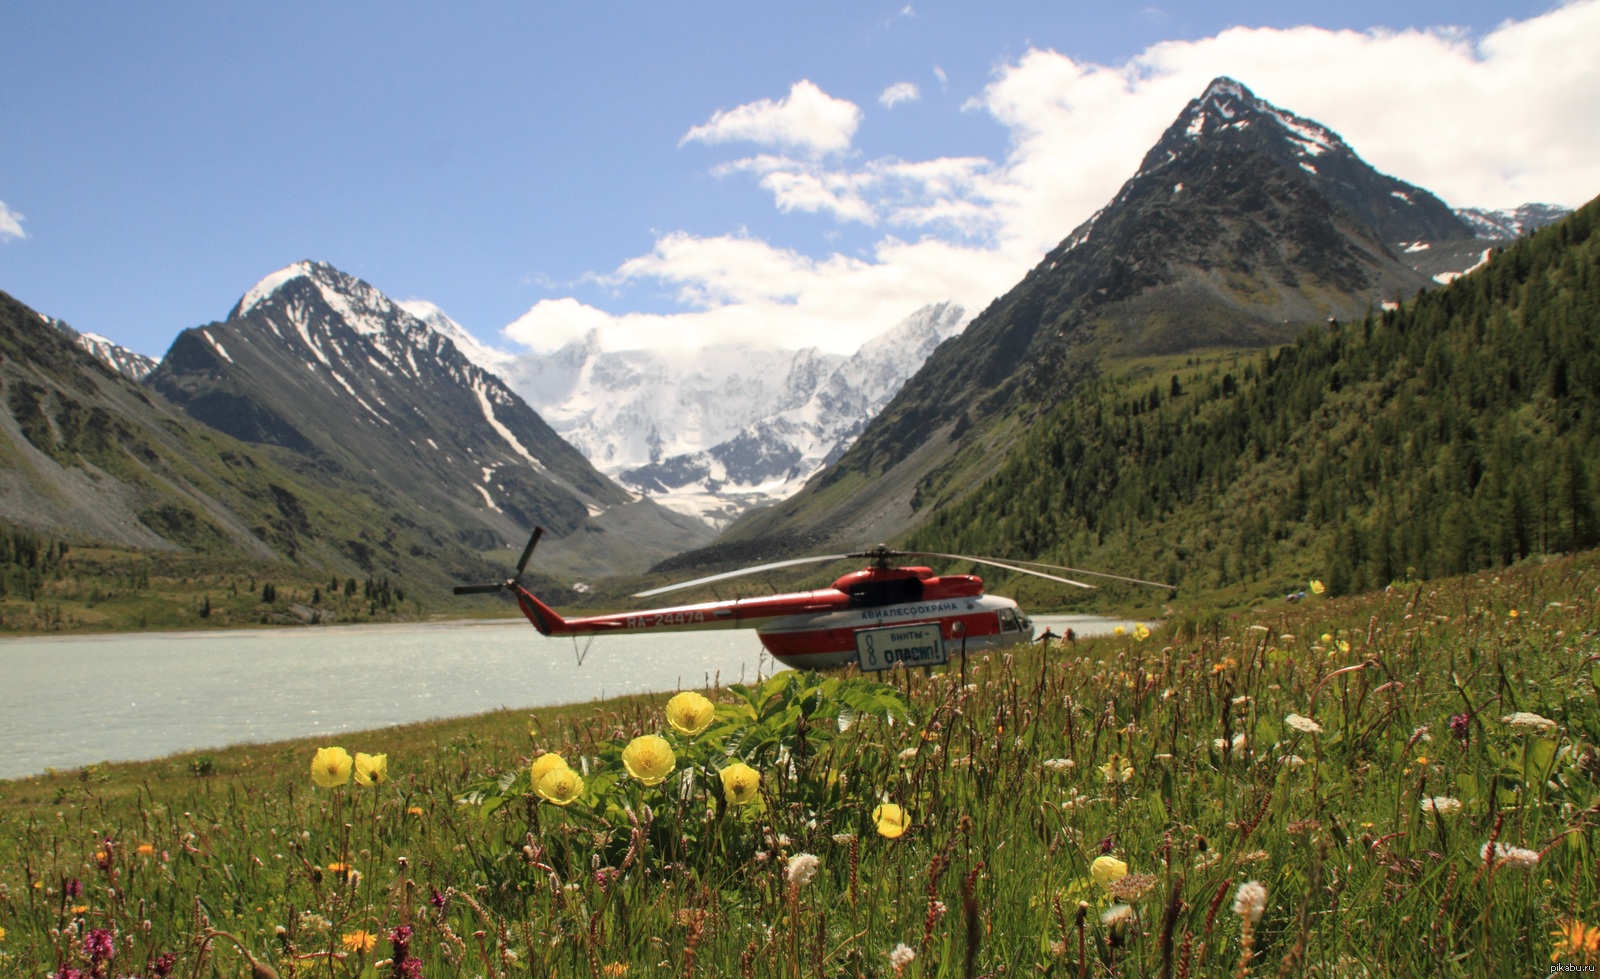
[[74, 888], [1107, 844], [436, 899], [67, 972], [1459, 726], [99, 945], [162, 966]]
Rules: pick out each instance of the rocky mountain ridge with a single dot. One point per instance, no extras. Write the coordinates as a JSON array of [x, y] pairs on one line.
[[1244, 224]]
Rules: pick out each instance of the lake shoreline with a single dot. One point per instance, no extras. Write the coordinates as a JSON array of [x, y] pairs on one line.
[[171, 693]]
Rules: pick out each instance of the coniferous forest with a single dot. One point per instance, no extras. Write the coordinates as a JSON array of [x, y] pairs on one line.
[[1453, 433]]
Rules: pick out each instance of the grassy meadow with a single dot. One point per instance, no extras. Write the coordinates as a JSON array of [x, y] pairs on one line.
[[1398, 783]]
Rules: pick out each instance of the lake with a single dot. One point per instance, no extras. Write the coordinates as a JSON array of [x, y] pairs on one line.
[[66, 702]]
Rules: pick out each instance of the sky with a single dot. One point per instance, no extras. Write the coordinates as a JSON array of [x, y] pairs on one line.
[[681, 174]]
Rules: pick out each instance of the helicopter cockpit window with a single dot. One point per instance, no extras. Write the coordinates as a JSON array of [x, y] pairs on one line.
[[1008, 621]]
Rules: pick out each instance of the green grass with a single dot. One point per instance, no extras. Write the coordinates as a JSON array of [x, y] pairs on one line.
[[987, 880]]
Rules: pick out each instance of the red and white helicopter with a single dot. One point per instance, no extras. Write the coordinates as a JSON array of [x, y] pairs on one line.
[[877, 617]]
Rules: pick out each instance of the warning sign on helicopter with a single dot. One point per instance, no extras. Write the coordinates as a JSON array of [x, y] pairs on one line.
[[912, 645]]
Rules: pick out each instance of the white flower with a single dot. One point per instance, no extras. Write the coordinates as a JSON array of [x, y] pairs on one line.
[[1529, 722], [1303, 725], [901, 956], [1222, 745], [1509, 856], [1441, 804], [1117, 914], [802, 867], [909, 753], [1293, 761], [1059, 764], [1250, 900]]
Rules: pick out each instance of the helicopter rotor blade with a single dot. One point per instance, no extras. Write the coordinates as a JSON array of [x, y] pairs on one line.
[[477, 589], [742, 571], [527, 552], [999, 564], [1097, 574]]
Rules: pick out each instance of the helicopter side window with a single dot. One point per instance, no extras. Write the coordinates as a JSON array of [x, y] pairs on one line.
[[1008, 621]]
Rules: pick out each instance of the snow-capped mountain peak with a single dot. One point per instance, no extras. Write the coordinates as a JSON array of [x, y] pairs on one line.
[[485, 356]]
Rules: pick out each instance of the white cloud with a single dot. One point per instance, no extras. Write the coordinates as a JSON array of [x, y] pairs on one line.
[[739, 289], [10, 223], [806, 119], [897, 93], [1494, 122]]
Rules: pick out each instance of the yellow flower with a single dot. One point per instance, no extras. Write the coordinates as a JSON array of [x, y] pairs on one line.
[[560, 786], [414, 810], [1576, 942], [891, 819], [740, 783], [331, 767], [358, 941], [1141, 632], [145, 849], [1106, 870], [1317, 587], [544, 765], [371, 769], [1120, 630], [2, 934], [689, 713], [614, 969], [649, 758], [1117, 769]]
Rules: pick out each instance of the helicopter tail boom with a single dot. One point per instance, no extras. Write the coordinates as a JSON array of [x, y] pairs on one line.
[[543, 617]]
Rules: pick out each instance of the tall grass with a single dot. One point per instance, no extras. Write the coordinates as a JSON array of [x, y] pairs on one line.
[[1352, 758]]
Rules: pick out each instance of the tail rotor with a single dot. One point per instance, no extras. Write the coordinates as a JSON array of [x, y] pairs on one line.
[[509, 583]]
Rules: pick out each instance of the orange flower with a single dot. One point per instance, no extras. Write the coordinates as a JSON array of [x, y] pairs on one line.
[[1576, 942], [360, 942]]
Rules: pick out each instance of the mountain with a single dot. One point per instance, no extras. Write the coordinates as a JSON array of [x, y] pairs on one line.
[[134, 366], [320, 363], [712, 432], [1508, 225], [770, 457], [1244, 224], [88, 456], [1458, 431]]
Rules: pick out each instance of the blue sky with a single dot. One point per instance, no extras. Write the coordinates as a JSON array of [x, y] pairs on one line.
[[683, 173]]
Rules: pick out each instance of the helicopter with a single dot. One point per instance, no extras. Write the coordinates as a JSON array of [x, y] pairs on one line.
[[881, 616]]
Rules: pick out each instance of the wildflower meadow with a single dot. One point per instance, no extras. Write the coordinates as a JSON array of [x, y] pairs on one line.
[[1402, 783]]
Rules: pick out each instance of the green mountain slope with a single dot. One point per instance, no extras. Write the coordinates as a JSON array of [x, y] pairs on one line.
[[1457, 432]]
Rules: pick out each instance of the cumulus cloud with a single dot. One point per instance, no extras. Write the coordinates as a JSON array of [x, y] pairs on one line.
[[1495, 121], [735, 288], [897, 93], [10, 223], [807, 119]]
